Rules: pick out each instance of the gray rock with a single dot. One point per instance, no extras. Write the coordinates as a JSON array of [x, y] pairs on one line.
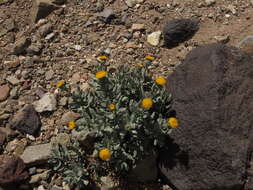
[[4, 92], [107, 15], [27, 120], [41, 9], [179, 30], [39, 177], [32, 170], [21, 45], [63, 101], [50, 36], [154, 38], [69, 116], [86, 139], [37, 154], [212, 97], [45, 29], [49, 74], [46, 103]]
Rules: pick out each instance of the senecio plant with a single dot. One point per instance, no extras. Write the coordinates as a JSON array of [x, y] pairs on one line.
[[128, 111]]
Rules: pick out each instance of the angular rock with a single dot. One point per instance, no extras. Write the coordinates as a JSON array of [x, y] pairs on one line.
[[69, 116], [154, 38], [107, 15], [137, 27], [27, 120], [4, 92], [12, 79], [45, 29], [21, 45], [39, 177], [179, 30], [37, 154], [41, 9], [46, 103], [34, 49], [212, 97], [12, 170], [6, 26]]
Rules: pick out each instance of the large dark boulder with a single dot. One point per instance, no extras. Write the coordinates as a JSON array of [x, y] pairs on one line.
[[213, 97]]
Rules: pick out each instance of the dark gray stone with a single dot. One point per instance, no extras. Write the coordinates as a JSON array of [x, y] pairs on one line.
[[179, 30], [213, 98], [27, 120]]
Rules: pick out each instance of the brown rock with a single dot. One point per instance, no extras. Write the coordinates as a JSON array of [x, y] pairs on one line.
[[41, 9], [21, 45], [27, 120], [213, 98], [4, 92], [12, 170]]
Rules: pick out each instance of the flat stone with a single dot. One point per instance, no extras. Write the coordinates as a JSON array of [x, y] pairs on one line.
[[49, 74], [138, 27], [154, 38], [13, 80], [37, 154], [107, 15], [21, 45], [63, 101], [46, 103], [27, 120], [39, 177], [4, 92]]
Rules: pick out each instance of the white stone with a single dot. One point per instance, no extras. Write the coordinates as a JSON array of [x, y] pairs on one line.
[[46, 103], [154, 38]]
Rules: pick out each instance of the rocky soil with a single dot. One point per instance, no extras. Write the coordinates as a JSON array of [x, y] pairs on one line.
[[44, 43]]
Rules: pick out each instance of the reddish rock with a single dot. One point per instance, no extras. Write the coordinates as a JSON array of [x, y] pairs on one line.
[[4, 92], [12, 170]]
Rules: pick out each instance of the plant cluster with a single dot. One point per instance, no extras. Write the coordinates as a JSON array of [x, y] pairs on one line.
[[129, 113]]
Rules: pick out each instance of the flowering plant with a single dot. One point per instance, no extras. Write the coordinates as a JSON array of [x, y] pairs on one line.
[[130, 114]]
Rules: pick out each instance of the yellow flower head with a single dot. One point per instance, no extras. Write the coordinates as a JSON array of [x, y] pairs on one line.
[[150, 58], [173, 122], [139, 65], [101, 74], [111, 107], [103, 58], [60, 84], [72, 125], [160, 80], [105, 154], [147, 103]]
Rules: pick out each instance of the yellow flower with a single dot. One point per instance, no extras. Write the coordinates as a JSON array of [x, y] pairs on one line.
[[161, 80], [139, 65], [173, 122], [103, 58], [60, 84], [105, 154], [72, 125], [150, 58], [111, 107], [147, 103], [101, 74]]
